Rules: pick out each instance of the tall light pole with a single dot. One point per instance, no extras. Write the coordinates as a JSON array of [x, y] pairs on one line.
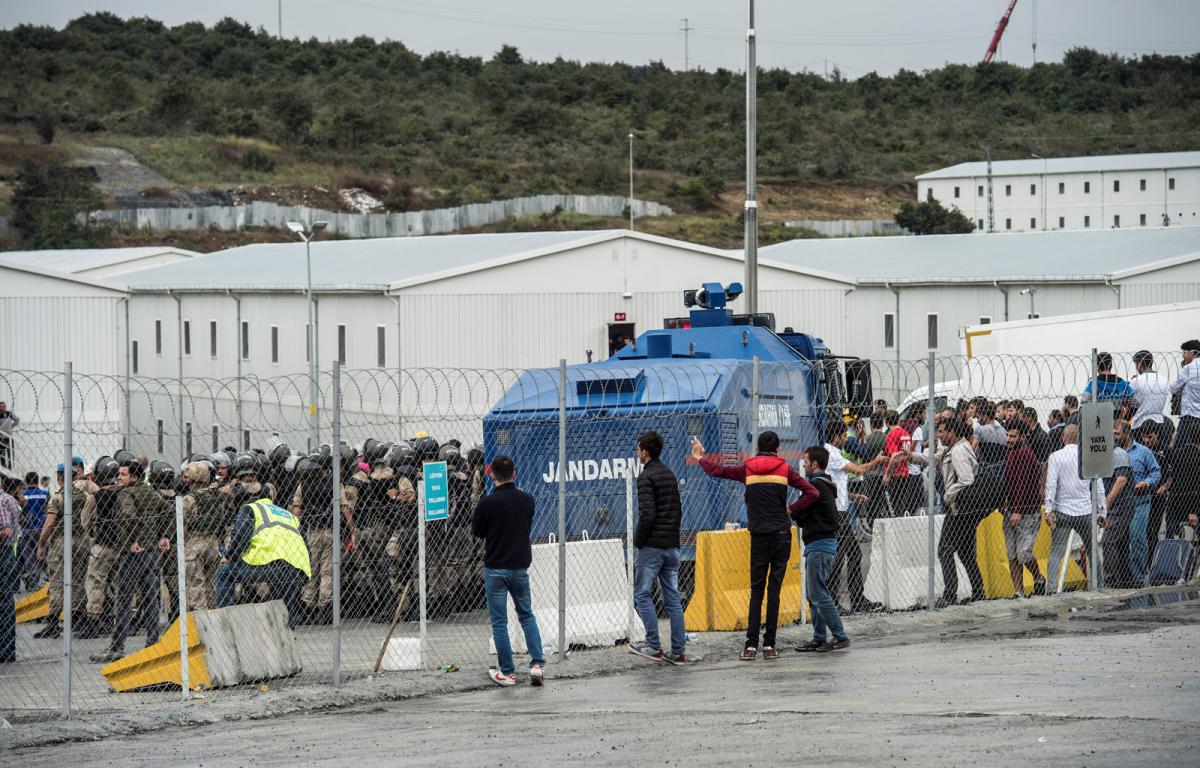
[[751, 209], [631, 181], [1044, 171], [307, 236]]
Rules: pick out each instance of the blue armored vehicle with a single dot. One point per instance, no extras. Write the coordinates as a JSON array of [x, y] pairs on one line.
[[694, 379]]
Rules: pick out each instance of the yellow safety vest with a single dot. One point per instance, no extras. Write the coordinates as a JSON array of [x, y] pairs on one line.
[[276, 537]]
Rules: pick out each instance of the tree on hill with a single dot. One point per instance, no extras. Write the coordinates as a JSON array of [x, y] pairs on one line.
[[46, 201], [930, 218]]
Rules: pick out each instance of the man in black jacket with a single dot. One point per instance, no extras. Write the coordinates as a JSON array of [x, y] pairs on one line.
[[657, 542], [503, 520], [819, 526]]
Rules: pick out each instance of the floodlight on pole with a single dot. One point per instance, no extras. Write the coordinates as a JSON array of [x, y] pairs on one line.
[[307, 235]]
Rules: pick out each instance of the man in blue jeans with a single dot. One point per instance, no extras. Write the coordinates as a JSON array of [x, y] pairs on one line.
[[503, 519], [657, 542], [818, 529]]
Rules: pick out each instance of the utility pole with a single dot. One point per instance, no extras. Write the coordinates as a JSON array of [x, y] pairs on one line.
[[631, 181], [686, 30], [1035, 31], [280, 9], [751, 209]]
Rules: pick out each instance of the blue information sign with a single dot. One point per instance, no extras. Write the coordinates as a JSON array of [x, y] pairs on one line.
[[435, 491]]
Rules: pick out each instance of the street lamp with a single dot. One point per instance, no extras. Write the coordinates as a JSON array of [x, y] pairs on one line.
[[1039, 157], [631, 181], [307, 236]]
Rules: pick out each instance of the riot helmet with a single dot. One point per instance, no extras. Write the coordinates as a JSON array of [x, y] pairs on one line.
[[105, 470]]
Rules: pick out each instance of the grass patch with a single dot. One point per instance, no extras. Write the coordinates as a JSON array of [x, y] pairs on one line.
[[220, 161]]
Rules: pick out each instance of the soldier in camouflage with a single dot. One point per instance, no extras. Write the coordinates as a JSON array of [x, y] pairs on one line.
[[51, 544]]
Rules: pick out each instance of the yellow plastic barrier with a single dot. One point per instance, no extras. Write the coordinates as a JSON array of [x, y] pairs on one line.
[[992, 556], [159, 663], [34, 606], [722, 589]]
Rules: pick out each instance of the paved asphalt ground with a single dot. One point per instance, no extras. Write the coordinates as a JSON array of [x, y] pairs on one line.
[[1106, 685]]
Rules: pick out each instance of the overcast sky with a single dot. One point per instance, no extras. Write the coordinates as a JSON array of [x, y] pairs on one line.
[[857, 36]]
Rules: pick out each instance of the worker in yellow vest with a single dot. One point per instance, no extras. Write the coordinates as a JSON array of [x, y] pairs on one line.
[[265, 547]]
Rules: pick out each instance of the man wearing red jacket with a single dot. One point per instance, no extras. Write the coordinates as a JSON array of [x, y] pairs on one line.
[[767, 478]]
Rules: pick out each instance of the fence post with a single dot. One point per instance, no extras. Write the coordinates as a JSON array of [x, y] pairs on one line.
[[562, 510], [1094, 556], [181, 582], [629, 552], [755, 386], [68, 523], [930, 485], [337, 524]]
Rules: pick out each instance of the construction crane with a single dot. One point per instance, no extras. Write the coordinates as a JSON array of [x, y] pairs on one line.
[[991, 51]]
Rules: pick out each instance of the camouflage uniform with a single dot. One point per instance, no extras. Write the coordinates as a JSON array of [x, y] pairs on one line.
[[315, 521], [83, 509], [401, 549], [104, 557], [204, 523]]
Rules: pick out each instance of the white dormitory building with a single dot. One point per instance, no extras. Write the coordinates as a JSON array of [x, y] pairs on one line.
[[232, 324], [1103, 192]]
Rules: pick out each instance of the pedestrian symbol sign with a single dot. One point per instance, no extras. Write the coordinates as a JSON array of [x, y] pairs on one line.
[[1095, 440], [435, 492]]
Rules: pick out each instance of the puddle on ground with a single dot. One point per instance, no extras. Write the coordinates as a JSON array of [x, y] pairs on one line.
[[1152, 599]]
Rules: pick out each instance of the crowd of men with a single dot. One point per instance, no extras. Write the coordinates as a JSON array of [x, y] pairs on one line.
[[997, 456], [239, 510]]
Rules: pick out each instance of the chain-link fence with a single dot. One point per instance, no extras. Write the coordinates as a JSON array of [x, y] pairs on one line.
[[160, 543]]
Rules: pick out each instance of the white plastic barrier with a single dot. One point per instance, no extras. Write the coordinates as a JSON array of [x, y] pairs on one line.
[[899, 574], [599, 595]]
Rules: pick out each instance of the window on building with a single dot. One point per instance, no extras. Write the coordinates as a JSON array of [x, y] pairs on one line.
[[1062, 222], [187, 337], [1033, 223], [212, 337], [1142, 219], [187, 437], [956, 191], [979, 192], [931, 330], [274, 343], [929, 194], [216, 440], [1170, 183], [158, 434], [381, 346], [1008, 190], [245, 439], [1062, 187], [1116, 221], [158, 337], [245, 340], [1142, 185], [980, 224], [889, 330], [985, 320], [1033, 189], [134, 354], [1008, 223], [1087, 187], [342, 344], [1087, 221], [1116, 185]]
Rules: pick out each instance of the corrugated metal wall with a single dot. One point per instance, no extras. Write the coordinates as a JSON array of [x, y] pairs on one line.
[[1144, 294], [42, 333]]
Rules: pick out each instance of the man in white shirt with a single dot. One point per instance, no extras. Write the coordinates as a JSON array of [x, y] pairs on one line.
[[1188, 382], [853, 530], [1151, 389], [1068, 505]]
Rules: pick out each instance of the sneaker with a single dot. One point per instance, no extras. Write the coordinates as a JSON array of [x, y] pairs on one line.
[[535, 675], [834, 645], [499, 678], [646, 650], [770, 654], [749, 653], [107, 657], [1039, 587], [678, 659], [868, 606], [945, 602], [810, 646], [52, 630]]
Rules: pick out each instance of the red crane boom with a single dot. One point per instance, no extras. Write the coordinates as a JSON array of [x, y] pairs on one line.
[[991, 51]]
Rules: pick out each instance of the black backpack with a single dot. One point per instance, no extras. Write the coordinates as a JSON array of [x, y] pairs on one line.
[[984, 495]]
